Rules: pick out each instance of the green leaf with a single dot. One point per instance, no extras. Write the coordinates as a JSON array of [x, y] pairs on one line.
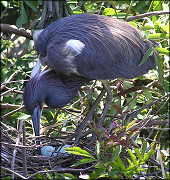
[[113, 172], [157, 6], [114, 164], [144, 146], [49, 175], [84, 161], [148, 94], [32, 4], [115, 153], [131, 124], [148, 53], [4, 3], [95, 174], [146, 28], [130, 162], [19, 22], [160, 69], [99, 166], [147, 155], [131, 168], [132, 104], [158, 36], [137, 152], [40, 176], [57, 175], [68, 176], [22, 18], [98, 150], [133, 157], [163, 51], [120, 163], [109, 11], [70, 11], [78, 151]]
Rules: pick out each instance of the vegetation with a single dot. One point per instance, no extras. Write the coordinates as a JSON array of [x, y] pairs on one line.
[[133, 141]]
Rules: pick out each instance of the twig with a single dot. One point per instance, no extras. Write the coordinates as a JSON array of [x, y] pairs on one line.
[[9, 106], [100, 10], [12, 111], [5, 9], [162, 166], [21, 146], [130, 6], [13, 172], [157, 122], [62, 170], [161, 106], [13, 106], [131, 18], [155, 128], [14, 30], [11, 89], [15, 91], [135, 113], [9, 79], [160, 135], [20, 125], [146, 120], [24, 150], [81, 126]]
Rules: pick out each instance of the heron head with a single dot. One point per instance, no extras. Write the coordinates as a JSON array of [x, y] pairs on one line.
[[33, 105], [33, 101]]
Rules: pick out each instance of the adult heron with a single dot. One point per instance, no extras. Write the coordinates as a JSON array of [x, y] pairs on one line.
[[54, 89], [94, 47]]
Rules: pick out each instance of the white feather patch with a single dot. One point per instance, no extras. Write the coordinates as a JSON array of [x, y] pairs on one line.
[[75, 46], [43, 73], [36, 34], [36, 69]]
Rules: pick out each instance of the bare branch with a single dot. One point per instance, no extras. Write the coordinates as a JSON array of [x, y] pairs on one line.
[[9, 79], [17, 174], [131, 18], [14, 30]]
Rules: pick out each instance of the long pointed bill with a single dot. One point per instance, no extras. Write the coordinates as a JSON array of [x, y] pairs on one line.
[[36, 124]]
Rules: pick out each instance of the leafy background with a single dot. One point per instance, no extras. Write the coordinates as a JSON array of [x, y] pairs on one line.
[[18, 56]]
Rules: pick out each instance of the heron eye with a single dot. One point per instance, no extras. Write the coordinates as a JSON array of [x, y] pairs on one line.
[[42, 55]]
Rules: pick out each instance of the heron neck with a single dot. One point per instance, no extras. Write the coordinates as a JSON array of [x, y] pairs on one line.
[[57, 90]]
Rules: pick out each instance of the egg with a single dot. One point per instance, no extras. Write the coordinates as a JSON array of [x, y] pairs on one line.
[[49, 151], [61, 150]]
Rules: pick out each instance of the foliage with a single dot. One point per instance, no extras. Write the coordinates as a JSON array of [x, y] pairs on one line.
[[142, 141]]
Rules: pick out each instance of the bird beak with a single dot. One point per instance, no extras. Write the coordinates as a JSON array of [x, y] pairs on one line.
[[36, 124]]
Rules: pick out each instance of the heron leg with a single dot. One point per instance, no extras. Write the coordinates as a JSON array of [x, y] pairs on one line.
[[108, 101], [78, 132]]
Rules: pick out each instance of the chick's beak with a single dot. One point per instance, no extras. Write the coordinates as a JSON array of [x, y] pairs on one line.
[[36, 124]]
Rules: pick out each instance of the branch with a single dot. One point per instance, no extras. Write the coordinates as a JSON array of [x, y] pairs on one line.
[[62, 170], [131, 18], [14, 30], [136, 112], [13, 106]]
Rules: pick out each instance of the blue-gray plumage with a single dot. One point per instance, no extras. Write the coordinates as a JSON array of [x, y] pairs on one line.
[[79, 48], [112, 48], [54, 89]]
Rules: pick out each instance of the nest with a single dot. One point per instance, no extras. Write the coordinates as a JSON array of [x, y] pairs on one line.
[[13, 155], [20, 159]]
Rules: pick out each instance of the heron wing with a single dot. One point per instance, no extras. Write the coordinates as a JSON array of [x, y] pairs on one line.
[[113, 48]]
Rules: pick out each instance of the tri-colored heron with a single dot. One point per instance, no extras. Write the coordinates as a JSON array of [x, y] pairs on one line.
[[83, 47]]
